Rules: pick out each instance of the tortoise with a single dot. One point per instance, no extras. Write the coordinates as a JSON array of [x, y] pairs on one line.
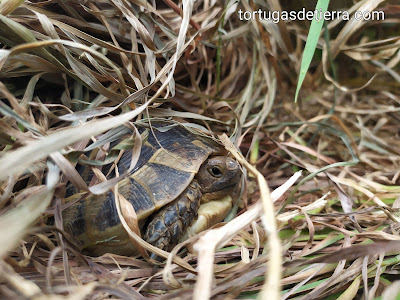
[[182, 184]]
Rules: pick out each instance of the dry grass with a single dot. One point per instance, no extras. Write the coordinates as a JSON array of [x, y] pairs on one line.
[[75, 73]]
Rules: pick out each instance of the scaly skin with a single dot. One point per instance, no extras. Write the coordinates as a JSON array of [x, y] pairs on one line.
[[169, 223]]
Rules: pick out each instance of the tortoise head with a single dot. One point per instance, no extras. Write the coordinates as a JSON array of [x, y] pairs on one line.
[[218, 177]]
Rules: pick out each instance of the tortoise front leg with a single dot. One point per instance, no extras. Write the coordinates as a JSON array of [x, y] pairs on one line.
[[170, 223]]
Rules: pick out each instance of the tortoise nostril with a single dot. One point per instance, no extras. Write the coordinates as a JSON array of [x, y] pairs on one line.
[[231, 164]]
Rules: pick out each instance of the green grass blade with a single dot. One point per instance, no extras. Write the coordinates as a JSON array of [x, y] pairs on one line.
[[311, 43]]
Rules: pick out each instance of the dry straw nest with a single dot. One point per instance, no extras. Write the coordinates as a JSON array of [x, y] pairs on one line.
[[76, 72]]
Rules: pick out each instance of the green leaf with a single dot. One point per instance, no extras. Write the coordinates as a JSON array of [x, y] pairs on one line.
[[311, 43]]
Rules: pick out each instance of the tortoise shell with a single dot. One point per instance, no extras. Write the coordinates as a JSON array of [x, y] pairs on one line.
[[168, 162]]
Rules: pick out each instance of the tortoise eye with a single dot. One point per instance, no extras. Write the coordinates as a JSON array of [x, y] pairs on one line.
[[215, 171]]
